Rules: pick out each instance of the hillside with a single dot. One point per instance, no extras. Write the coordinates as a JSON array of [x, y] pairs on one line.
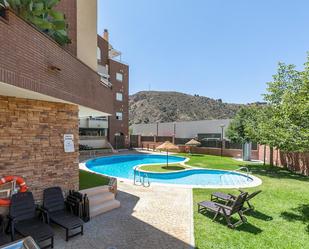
[[153, 106]]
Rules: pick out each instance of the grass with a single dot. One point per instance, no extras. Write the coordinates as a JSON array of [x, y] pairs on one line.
[[280, 220], [281, 217], [213, 162], [90, 180], [163, 168]]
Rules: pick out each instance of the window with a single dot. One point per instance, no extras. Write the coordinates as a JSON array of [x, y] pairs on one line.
[[119, 115], [119, 76], [98, 53], [2, 12], [119, 96]]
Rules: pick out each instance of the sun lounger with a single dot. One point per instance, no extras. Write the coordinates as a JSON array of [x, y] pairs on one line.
[[24, 220], [228, 198], [54, 204], [226, 211]]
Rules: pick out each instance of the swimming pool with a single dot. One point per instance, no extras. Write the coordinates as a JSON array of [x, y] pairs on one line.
[[122, 167]]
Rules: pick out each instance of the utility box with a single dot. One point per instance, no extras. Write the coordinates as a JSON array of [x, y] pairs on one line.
[[246, 151]]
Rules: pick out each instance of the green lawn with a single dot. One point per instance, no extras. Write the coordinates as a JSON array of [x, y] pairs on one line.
[[213, 162], [163, 168], [281, 219], [90, 180]]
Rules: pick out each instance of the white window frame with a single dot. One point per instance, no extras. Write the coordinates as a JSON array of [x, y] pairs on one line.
[[119, 77], [119, 116], [119, 96]]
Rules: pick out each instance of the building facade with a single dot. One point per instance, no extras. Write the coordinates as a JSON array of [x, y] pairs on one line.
[[45, 89], [186, 129], [112, 129]]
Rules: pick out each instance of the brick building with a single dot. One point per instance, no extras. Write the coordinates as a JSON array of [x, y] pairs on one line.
[[115, 74], [45, 89]]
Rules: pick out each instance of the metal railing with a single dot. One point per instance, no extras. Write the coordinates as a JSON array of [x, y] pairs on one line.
[[243, 168], [143, 180]]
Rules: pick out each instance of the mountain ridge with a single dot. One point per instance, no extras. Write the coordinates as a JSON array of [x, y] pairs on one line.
[[172, 106]]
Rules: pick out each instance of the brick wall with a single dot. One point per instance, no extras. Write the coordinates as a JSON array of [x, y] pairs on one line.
[[295, 161], [119, 126], [203, 150], [217, 152], [31, 143], [114, 125], [26, 57], [69, 8], [103, 45]]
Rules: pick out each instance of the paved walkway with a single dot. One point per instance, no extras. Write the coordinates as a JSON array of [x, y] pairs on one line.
[[157, 217]]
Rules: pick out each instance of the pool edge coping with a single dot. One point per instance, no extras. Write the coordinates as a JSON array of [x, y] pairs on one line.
[[255, 180]]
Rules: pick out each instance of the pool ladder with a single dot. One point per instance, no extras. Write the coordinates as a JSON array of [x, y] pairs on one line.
[[142, 180], [245, 168]]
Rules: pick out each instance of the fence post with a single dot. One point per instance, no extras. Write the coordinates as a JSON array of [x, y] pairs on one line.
[[173, 139], [139, 141]]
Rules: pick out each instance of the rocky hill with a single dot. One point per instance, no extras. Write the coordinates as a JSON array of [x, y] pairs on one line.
[[153, 106]]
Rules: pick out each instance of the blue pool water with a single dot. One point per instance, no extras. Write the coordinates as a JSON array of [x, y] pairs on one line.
[[123, 167]]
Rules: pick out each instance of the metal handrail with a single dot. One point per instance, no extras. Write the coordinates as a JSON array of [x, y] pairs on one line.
[[148, 182], [134, 176], [141, 178], [241, 168]]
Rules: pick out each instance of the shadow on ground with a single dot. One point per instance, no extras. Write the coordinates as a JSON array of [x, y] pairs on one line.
[[118, 229], [259, 215], [276, 172], [246, 227], [173, 167], [300, 213]]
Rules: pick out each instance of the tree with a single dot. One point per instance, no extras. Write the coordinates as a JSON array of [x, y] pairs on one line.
[[41, 13], [284, 121], [288, 98], [242, 128]]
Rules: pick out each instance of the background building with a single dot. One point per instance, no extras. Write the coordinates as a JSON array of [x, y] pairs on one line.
[[112, 129], [186, 129]]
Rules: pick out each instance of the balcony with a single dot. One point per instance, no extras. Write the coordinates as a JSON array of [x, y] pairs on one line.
[[34, 66], [93, 123]]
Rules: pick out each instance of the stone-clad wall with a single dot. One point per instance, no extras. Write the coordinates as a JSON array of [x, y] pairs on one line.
[[31, 143]]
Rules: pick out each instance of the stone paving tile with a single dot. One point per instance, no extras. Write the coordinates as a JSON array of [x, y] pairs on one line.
[[158, 217]]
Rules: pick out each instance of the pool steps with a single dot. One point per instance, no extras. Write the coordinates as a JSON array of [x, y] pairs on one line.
[[101, 200]]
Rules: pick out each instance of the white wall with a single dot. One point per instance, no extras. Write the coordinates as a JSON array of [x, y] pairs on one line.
[[96, 143], [87, 32], [188, 129], [86, 123]]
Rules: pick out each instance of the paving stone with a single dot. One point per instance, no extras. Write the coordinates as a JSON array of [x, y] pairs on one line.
[[158, 217]]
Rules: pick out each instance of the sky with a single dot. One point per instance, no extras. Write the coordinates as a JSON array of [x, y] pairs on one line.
[[221, 49]]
